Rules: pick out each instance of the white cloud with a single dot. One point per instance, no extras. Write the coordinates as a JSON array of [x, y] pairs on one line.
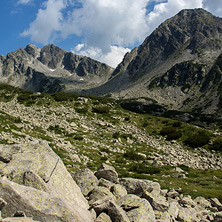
[[107, 27], [213, 6], [112, 58], [168, 9], [47, 23], [108, 22], [24, 2]]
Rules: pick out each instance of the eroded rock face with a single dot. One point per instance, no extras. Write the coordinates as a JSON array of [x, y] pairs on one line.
[[36, 181], [107, 172], [138, 209], [86, 180]]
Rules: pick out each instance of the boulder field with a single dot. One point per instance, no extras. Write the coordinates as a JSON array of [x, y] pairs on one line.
[[35, 186]]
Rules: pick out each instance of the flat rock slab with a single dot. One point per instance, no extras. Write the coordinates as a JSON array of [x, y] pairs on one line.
[[36, 181]]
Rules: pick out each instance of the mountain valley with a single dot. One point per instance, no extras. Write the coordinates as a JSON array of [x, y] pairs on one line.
[[81, 141]]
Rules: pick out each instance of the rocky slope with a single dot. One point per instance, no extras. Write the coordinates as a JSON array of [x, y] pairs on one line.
[[110, 198], [51, 69], [85, 132], [178, 65], [35, 181]]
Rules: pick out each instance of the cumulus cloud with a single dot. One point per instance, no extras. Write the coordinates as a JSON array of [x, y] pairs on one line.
[[47, 23], [112, 58], [213, 6], [167, 9], [107, 27], [108, 22]]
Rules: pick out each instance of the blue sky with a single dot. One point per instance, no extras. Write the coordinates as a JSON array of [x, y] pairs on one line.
[[102, 29]]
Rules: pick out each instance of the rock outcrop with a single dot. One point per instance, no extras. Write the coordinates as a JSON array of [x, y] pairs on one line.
[[144, 201], [35, 181], [178, 65], [51, 69]]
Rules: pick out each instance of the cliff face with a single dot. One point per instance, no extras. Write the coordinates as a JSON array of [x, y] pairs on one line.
[[51, 66], [178, 65]]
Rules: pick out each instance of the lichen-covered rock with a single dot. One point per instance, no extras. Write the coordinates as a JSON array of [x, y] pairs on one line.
[[187, 214], [118, 191], [37, 182], [93, 214], [215, 202], [107, 172], [173, 209], [2, 204], [162, 216], [103, 218], [100, 193], [172, 194], [105, 183], [201, 201], [86, 180], [187, 202], [138, 209], [218, 217], [158, 203], [134, 186], [116, 213]]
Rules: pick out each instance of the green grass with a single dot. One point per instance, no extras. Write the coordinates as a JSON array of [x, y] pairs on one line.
[[110, 143]]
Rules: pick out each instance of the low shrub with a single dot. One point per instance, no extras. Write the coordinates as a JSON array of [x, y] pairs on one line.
[[142, 168], [172, 133], [127, 118], [101, 109], [83, 110], [78, 137], [130, 154], [217, 144], [62, 96], [197, 138], [177, 124], [25, 96], [145, 124], [56, 129], [117, 135]]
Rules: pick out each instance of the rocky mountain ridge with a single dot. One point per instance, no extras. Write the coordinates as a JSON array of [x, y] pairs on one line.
[[34, 192], [178, 66], [51, 69], [174, 65], [90, 135]]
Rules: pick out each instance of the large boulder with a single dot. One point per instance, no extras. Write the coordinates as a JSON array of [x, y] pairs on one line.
[[18, 219], [103, 218], [100, 193], [134, 186], [173, 209], [107, 172], [118, 191], [218, 217], [202, 202], [138, 209], [187, 201], [36, 181], [139, 187], [116, 213], [86, 180], [215, 202], [187, 214], [158, 203]]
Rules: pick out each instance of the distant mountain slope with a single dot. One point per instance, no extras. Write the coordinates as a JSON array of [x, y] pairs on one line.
[[178, 65], [36, 69]]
